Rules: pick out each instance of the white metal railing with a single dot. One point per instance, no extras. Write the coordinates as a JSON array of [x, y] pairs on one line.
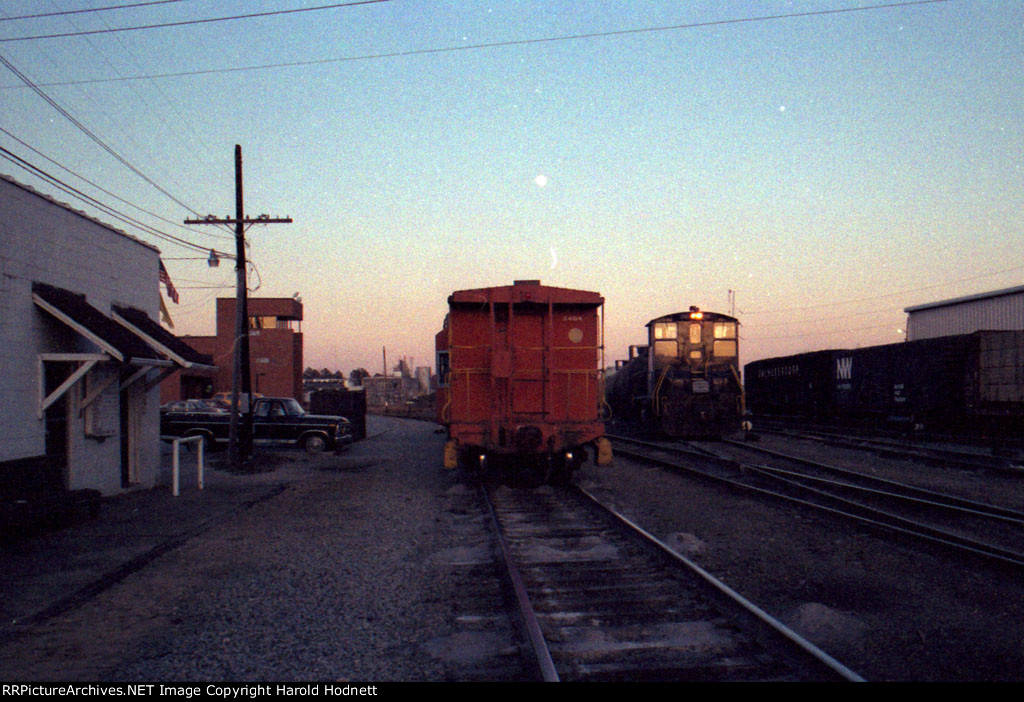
[[176, 463]]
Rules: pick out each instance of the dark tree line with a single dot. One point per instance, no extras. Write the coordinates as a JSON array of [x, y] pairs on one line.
[[355, 377]]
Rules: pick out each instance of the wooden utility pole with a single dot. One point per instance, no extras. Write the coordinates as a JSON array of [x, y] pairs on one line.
[[240, 442]]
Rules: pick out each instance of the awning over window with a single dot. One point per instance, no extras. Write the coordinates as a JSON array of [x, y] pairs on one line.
[[113, 338], [140, 324]]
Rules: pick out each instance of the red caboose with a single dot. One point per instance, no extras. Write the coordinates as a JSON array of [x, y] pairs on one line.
[[519, 369]]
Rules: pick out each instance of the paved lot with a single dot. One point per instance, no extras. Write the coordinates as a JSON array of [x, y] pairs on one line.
[[326, 568]]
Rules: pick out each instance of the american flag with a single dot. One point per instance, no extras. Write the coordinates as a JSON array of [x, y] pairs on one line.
[[166, 280]]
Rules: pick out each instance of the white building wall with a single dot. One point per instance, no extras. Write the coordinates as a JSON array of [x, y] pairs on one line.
[[43, 241]]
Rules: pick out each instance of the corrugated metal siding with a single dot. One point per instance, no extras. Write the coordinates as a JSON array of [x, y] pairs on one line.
[[999, 313]]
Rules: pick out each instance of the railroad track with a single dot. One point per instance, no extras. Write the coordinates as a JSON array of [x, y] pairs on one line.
[[603, 600], [906, 450], [957, 525]]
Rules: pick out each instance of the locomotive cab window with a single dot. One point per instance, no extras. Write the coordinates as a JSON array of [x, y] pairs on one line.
[[725, 330], [725, 348], [666, 349], [665, 330], [695, 333]]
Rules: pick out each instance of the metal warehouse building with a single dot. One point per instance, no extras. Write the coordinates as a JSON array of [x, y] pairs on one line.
[[997, 310]]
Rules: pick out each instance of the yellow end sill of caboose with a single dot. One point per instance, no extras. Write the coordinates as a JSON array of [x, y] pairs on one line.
[[604, 452], [451, 455]]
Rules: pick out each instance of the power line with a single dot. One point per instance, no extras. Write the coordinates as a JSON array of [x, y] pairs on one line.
[[184, 23], [491, 45], [881, 297], [815, 320], [819, 334], [103, 207], [89, 133], [159, 114], [93, 9], [102, 189]]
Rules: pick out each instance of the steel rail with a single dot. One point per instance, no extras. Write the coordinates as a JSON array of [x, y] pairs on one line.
[[902, 523], [802, 644], [907, 451], [902, 526], [538, 644], [910, 492]]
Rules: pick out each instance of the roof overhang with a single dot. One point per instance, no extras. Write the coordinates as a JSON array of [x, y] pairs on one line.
[[140, 324], [83, 329], [113, 339]]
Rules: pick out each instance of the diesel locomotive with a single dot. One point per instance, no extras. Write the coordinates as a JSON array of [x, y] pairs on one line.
[[685, 382], [519, 375]]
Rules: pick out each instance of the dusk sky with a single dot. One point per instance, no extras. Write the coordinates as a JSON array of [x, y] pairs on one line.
[[830, 161]]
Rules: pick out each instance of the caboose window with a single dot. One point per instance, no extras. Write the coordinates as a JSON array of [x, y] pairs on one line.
[[442, 368], [725, 349], [725, 330], [695, 333]]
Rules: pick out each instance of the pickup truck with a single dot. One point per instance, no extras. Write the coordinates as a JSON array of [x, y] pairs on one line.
[[276, 421]]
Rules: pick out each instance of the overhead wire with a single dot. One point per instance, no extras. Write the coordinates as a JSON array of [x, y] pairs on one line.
[[396, 54], [106, 209], [184, 23], [822, 333], [60, 13], [159, 114], [496, 44], [89, 133], [881, 297], [107, 192]]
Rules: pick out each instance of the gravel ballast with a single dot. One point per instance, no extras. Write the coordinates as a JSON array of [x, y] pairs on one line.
[[347, 574], [377, 565], [889, 610]]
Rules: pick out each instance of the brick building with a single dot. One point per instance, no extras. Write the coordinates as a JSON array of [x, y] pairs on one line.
[[275, 352]]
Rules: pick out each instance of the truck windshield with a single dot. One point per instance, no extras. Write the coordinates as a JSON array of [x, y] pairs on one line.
[[292, 407]]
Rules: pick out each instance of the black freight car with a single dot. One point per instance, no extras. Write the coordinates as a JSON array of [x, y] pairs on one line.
[[792, 386], [995, 381], [964, 382]]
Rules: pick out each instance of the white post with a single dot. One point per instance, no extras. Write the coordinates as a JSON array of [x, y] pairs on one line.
[[176, 463], [174, 470]]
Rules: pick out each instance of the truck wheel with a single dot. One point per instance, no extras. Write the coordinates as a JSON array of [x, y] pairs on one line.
[[314, 443]]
